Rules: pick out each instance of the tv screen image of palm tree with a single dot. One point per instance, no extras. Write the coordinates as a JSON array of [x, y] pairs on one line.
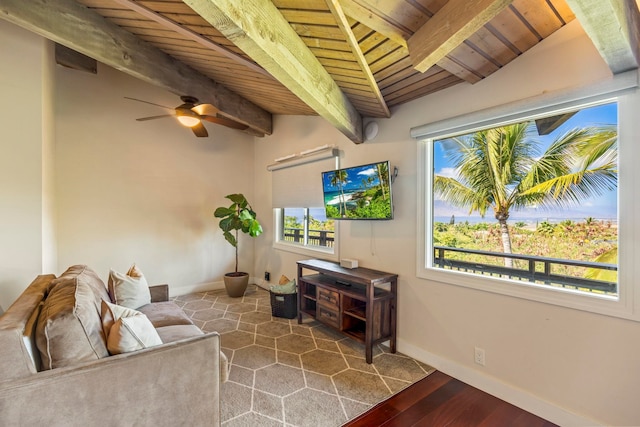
[[543, 191], [358, 192]]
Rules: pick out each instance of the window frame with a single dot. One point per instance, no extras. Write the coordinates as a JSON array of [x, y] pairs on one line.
[[621, 89], [332, 254]]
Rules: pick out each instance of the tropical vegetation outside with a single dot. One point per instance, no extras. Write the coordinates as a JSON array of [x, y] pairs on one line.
[[545, 188], [361, 192], [320, 230]]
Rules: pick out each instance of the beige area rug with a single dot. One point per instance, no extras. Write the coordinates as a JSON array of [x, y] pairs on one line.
[[285, 374]]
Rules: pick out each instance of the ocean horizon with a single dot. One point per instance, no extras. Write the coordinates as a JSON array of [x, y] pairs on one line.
[[319, 214], [512, 220]]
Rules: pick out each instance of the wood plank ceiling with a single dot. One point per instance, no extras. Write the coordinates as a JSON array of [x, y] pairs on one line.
[[372, 50], [515, 30]]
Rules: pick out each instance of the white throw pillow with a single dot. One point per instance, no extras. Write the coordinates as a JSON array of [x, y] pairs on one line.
[[129, 290], [126, 329]]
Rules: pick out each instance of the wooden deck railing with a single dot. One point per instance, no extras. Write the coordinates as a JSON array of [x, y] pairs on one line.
[[324, 238], [532, 269]]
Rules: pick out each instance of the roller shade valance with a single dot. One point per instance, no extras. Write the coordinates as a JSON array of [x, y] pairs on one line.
[[297, 182], [541, 105]]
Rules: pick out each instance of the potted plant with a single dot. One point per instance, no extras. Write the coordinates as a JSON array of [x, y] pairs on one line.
[[237, 217]]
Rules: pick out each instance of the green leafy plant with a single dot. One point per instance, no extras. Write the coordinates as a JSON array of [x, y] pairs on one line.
[[240, 216]]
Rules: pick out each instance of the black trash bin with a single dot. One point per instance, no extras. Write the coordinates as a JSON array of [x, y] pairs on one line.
[[284, 305]]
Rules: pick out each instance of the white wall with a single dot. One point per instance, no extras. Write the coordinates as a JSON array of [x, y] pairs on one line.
[[82, 182], [26, 130], [49, 211], [569, 366], [143, 192]]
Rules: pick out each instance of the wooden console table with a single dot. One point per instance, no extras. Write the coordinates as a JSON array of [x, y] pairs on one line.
[[359, 302]]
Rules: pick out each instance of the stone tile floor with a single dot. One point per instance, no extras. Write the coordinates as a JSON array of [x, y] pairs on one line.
[[286, 374]]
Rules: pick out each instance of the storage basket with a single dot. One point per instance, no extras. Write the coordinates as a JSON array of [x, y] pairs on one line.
[[284, 305]]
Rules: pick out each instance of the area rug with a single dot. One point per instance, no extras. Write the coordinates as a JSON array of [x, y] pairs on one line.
[[291, 375]]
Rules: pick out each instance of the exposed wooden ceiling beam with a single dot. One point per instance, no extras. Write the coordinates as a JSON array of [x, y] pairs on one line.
[[71, 59], [369, 16], [343, 24], [77, 27], [259, 29], [448, 28], [613, 26], [198, 38], [365, 13]]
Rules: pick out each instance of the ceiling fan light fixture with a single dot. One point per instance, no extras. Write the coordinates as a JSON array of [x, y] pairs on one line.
[[188, 121], [187, 117]]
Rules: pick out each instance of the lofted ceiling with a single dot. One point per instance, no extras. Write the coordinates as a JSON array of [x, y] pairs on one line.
[[341, 59]]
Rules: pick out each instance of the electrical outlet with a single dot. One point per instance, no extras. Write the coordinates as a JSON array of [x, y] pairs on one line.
[[267, 276], [479, 356]]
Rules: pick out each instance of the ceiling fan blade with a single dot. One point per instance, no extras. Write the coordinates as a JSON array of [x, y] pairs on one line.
[[224, 122], [205, 110], [147, 102], [144, 119], [200, 131]]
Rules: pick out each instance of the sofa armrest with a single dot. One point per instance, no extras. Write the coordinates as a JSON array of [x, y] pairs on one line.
[[173, 384], [159, 293]]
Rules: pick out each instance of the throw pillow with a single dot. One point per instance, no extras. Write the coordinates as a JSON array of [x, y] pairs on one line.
[[127, 330], [110, 313], [283, 280], [129, 290], [69, 330], [134, 271], [286, 288], [84, 274]]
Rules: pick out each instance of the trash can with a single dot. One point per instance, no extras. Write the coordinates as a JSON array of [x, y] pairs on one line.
[[284, 305]]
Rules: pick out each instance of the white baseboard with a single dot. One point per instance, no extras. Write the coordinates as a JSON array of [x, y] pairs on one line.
[[198, 287], [208, 286], [517, 397]]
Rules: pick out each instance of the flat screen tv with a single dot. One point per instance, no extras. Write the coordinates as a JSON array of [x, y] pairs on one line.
[[358, 192]]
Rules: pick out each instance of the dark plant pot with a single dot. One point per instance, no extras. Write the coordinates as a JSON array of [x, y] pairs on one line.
[[236, 283]]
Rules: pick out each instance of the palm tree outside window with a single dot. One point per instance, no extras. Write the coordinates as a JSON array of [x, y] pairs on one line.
[[543, 191]]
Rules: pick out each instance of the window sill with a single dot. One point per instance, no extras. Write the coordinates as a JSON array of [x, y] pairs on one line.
[[604, 305], [328, 254]]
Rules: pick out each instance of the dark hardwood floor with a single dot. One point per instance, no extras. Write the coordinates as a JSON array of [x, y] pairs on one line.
[[440, 400]]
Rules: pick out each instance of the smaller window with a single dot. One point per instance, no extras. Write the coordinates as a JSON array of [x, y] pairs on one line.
[[305, 229]]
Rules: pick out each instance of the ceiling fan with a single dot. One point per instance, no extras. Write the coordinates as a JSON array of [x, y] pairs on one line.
[[191, 114]]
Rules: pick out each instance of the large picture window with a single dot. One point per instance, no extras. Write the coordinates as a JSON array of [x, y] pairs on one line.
[[532, 201], [537, 199]]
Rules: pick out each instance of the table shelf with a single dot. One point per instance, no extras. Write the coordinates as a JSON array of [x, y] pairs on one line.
[[362, 302], [357, 312]]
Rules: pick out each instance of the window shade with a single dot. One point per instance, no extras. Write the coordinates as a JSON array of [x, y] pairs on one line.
[[300, 186], [545, 104]]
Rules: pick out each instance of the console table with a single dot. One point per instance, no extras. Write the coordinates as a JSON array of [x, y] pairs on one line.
[[359, 302]]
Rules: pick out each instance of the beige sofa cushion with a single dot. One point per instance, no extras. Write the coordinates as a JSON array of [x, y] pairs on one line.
[[165, 313], [84, 274], [129, 290], [69, 329], [127, 329], [173, 333]]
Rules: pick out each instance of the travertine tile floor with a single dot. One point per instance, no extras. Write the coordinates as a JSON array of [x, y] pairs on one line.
[[285, 374]]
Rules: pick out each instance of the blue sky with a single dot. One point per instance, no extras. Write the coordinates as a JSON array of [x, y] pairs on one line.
[[604, 207], [355, 175]]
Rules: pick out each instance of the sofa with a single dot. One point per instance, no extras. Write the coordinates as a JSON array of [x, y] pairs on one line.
[[60, 368]]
